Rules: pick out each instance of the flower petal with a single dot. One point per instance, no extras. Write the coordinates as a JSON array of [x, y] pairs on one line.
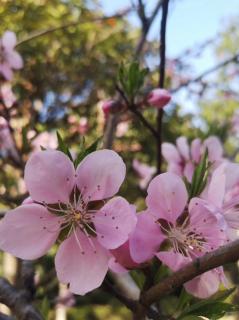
[[189, 170], [217, 186], [196, 150], [183, 147], [146, 238], [173, 260], [100, 175], [81, 264], [6, 71], [170, 153], [167, 196], [115, 267], [28, 231], [15, 60], [9, 40], [49, 176], [204, 285], [123, 257], [114, 222], [215, 149]]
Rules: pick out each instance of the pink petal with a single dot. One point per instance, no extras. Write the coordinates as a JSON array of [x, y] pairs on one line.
[[189, 170], [100, 175], [9, 40], [215, 149], [15, 60], [173, 260], [196, 150], [115, 267], [6, 71], [170, 153], [81, 264], [217, 186], [49, 176], [114, 222], [183, 147], [205, 221], [28, 231], [204, 285], [167, 196], [146, 238], [123, 257]]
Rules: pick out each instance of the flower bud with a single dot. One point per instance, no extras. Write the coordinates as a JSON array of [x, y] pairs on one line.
[[107, 106], [158, 98]]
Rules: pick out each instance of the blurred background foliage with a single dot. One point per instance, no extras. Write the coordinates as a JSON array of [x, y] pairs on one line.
[[66, 73]]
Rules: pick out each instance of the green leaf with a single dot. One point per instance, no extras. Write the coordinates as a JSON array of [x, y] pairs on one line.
[[212, 308], [200, 175], [62, 146], [85, 151]]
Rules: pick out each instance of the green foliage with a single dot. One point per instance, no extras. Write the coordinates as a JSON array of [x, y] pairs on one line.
[[131, 78]]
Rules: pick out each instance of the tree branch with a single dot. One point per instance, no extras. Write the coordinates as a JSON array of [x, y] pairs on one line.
[[226, 254], [220, 65], [17, 301], [162, 50]]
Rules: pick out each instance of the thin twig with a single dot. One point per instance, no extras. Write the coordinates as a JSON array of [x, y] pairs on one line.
[[220, 65], [226, 254], [162, 50], [72, 24]]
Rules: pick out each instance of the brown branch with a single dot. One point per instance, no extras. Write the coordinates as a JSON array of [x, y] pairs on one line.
[[162, 51], [220, 65], [17, 301], [226, 254], [72, 24]]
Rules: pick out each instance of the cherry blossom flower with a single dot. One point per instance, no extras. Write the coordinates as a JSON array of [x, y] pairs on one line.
[[9, 58], [159, 98], [145, 173], [221, 196], [177, 235], [182, 158], [6, 95], [69, 206], [47, 140], [83, 125]]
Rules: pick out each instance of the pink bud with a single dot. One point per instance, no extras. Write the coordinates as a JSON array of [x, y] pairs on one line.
[[159, 98], [106, 106]]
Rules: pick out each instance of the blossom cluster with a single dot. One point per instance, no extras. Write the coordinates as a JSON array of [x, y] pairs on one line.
[[77, 209]]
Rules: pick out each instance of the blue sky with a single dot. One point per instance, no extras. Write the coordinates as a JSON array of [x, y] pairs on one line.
[[190, 22]]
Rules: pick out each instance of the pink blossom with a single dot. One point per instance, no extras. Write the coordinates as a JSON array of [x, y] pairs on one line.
[[183, 157], [144, 172], [106, 106], [222, 196], [83, 125], [68, 205], [6, 95], [186, 233], [122, 129], [159, 98], [9, 58]]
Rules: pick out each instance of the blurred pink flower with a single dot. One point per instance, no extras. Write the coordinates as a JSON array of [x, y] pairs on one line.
[[235, 122], [9, 58], [188, 233], [122, 129], [83, 125], [71, 201], [182, 158], [47, 140], [106, 106], [159, 98], [144, 172], [6, 95]]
